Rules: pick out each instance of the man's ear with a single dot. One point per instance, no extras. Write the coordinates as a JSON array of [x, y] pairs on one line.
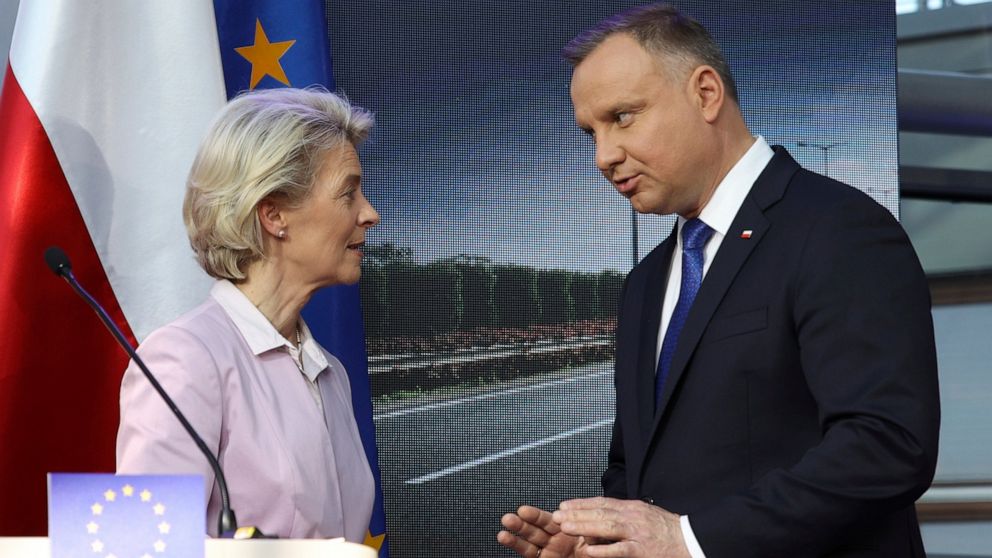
[[708, 91], [271, 217]]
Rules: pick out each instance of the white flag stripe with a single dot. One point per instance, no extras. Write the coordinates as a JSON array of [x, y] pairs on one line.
[[126, 130]]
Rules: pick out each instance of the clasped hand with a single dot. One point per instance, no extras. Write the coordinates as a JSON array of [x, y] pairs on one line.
[[595, 528]]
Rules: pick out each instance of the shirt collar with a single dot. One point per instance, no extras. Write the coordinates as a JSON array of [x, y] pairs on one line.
[[720, 211], [259, 332]]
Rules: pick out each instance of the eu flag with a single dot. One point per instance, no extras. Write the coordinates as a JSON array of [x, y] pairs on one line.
[[101, 514], [270, 43]]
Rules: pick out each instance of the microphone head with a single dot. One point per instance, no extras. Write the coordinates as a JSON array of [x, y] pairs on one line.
[[57, 261]]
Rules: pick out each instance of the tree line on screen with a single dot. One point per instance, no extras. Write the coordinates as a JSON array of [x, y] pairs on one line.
[[401, 297]]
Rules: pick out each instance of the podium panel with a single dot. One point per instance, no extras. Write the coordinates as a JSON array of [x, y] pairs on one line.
[[288, 548], [38, 547], [25, 547]]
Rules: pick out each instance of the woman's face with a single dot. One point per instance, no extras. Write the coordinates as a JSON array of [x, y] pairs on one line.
[[326, 234]]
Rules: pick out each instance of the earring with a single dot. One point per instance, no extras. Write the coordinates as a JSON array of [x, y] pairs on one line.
[[282, 233]]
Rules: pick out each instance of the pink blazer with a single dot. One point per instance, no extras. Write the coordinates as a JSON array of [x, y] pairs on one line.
[[290, 471]]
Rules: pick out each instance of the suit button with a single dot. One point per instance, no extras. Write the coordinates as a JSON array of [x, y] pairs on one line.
[[647, 500]]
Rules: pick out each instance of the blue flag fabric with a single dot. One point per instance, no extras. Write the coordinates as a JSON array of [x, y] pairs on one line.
[[126, 515], [283, 43]]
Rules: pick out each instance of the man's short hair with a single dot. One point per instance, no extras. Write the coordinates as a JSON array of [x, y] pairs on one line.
[[662, 30], [263, 144]]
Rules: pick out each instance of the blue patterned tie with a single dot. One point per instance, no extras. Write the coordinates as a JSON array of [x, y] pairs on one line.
[[695, 233]]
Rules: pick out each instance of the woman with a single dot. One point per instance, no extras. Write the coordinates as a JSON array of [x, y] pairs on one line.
[[274, 211]]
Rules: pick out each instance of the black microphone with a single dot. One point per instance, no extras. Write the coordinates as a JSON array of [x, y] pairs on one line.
[[58, 261]]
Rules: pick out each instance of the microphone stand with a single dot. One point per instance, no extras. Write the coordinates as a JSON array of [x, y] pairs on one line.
[[58, 261]]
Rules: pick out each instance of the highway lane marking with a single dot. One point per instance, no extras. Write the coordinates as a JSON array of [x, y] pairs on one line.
[[507, 453], [382, 363], [491, 395]]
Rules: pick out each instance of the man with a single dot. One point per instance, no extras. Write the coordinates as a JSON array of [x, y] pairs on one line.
[[775, 366]]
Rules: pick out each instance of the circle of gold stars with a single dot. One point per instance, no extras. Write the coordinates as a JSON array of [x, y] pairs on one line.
[[110, 496]]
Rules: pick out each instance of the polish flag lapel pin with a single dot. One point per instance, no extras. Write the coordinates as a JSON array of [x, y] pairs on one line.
[[746, 234]]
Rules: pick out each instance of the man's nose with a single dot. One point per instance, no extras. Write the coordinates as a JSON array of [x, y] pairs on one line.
[[608, 155]]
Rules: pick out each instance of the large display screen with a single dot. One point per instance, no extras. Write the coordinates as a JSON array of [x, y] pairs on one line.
[[490, 287]]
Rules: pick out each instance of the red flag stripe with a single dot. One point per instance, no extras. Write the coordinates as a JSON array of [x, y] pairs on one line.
[[59, 369]]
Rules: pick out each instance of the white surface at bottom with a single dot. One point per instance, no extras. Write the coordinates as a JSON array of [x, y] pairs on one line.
[[38, 547]]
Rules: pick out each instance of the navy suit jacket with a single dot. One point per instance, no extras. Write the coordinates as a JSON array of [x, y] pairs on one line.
[[801, 411]]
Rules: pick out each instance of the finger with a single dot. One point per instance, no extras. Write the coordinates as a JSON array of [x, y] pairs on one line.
[[517, 544], [608, 529], [511, 521], [613, 550], [538, 518], [598, 502], [534, 534], [529, 525], [586, 515], [600, 509]]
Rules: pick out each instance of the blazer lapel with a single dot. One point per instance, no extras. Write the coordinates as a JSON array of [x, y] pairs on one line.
[[733, 253]]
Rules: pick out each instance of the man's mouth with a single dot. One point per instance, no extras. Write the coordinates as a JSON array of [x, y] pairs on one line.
[[625, 185]]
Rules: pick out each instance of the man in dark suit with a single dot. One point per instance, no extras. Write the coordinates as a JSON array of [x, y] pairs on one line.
[[776, 375]]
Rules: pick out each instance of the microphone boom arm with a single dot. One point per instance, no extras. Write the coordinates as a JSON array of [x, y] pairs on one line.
[[227, 523]]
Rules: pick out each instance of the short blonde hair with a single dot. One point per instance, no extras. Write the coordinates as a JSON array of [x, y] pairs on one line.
[[265, 143]]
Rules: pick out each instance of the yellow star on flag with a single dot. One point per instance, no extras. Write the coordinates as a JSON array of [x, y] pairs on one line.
[[159, 546], [164, 528], [159, 509], [97, 509], [146, 496], [97, 546], [374, 541], [127, 490], [92, 527], [110, 495], [264, 57]]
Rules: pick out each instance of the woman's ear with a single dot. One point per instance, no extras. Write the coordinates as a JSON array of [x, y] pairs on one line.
[[271, 217]]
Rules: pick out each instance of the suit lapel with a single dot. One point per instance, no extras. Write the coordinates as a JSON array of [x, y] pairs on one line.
[[636, 339], [733, 253], [654, 292]]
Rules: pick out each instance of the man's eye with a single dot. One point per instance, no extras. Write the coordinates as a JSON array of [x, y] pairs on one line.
[[623, 118]]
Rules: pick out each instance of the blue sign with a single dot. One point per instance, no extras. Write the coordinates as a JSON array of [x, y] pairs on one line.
[[126, 516]]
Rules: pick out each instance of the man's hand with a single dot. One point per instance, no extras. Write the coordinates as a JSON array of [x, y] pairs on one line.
[[627, 528], [531, 532]]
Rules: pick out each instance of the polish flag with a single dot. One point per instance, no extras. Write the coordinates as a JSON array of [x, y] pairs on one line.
[[103, 106]]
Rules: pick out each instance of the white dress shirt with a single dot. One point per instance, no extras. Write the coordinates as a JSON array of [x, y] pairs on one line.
[[261, 336]]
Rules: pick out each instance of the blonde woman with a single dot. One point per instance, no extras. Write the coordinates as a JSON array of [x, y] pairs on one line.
[[274, 211]]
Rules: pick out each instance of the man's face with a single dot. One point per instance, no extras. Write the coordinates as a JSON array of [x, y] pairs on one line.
[[651, 138]]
